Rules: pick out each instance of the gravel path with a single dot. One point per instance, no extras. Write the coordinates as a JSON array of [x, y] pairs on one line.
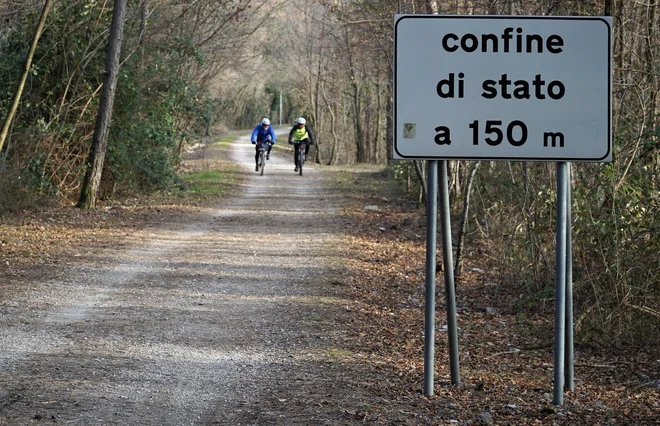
[[227, 318]]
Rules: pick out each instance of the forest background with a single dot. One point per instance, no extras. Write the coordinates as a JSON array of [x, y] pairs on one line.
[[191, 66]]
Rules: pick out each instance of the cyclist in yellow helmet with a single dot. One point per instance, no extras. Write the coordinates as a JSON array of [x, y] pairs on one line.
[[300, 133]]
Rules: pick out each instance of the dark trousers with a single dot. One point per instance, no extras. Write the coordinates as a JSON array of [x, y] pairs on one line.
[[256, 155], [295, 151]]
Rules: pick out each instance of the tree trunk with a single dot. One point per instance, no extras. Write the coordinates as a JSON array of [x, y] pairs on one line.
[[608, 8], [333, 124], [651, 63], [317, 108], [422, 180], [619, 45], [26, 71], [144, 16], [357, 112], [464, 216], [367, 123], [431, 7], [357, 109], [377, 130], [90, 187], [389, 120], [454, 177]]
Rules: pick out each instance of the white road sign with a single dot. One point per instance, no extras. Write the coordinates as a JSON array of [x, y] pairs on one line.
[[503, 88]]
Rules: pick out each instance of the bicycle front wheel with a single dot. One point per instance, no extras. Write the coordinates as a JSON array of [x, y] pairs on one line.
[[301, 159], [262, 162]]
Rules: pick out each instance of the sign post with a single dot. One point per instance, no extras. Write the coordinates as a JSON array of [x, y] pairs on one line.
[[560, 285], [450, 289], [520, 88], [569, 382], [429, 310]]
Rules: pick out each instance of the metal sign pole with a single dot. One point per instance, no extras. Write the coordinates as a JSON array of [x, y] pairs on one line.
[[560, 284], [431, 233], [450, 296], [569, 359], [424, 84]]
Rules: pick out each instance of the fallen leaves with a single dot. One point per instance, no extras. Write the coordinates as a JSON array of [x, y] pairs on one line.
[[506, 354]]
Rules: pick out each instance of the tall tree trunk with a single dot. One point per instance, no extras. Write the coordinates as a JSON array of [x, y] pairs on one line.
[[464, 217], [454, 177], [419, 168], [608, 8], [357, 109], [651, 63], [26, 71], [619, 42], [144, 16], [357, 120], [90, 187], [317, 103], [333, 124], [389, 121], [377, 130]]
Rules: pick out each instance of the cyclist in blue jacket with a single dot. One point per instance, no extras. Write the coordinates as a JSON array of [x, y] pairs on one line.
[[264, 132]]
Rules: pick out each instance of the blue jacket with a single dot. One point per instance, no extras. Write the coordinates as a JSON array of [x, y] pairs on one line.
[[260, 134]]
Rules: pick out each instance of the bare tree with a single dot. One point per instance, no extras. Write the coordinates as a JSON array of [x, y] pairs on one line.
[[26, 71], [464, 218], [90, 188]]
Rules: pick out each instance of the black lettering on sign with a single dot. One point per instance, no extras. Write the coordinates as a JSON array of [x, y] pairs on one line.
[[506, 42], [443, 135], [522, 89], [448, 87]]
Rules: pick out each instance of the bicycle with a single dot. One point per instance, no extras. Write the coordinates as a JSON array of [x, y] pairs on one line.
[[263, 149], [300, 146]]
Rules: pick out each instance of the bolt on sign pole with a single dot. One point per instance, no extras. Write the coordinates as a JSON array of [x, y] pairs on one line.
[[568, 355], [448, 263], [431, 237], [560, 285]]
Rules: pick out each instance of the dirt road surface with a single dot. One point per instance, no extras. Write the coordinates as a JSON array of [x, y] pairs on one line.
[[224, 317]]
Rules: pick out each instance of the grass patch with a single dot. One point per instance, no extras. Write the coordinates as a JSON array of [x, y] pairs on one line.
[[209, 183], [225, 141], [369, 183], [336, 355], [207, 174]]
